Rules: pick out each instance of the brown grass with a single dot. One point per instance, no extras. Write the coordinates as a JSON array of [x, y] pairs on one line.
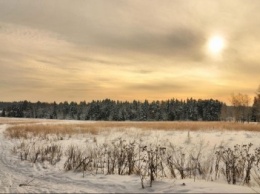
[[19, 131], [11, 121], [185, 125], [22, 130]]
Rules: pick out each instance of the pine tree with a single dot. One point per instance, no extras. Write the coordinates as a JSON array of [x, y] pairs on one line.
[[256, 107], [3, 113]]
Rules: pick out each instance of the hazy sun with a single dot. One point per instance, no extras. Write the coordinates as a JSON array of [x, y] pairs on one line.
[[216, 44]]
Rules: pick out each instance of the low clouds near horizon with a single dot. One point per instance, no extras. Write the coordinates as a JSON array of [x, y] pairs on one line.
[[124, 50]]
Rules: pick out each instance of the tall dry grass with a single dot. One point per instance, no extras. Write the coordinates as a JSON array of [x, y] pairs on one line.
[[25, 131], [18, 131], [12, 121]]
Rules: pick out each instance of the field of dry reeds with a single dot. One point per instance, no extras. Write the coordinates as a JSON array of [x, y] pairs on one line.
[[22, 129], [12, 121]]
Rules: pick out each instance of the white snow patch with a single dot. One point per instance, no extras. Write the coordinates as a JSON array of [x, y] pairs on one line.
[[18, 176]]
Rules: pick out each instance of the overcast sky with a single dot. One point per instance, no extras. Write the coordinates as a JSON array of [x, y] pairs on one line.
[[56, 50]]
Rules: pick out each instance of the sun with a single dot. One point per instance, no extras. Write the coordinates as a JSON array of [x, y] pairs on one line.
[[216, 44]]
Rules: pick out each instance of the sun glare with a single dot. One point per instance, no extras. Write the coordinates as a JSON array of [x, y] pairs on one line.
[[216, 44]]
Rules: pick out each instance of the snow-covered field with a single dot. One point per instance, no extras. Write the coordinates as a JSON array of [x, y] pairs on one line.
[[23, 176]]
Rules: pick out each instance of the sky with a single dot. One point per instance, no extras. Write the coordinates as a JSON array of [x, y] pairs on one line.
[[75, 50]]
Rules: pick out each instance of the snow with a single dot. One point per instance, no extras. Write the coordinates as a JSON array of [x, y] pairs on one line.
[[18, 176]]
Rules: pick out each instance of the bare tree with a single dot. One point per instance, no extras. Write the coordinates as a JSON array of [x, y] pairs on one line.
[[226, 113], [241, 109]]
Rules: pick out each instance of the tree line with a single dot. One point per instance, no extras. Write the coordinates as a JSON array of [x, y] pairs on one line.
[[110, 110], [240, 109], [167, 110], [256, 107]]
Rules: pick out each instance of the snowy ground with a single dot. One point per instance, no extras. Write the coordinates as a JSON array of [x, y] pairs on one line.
[[18, 176]]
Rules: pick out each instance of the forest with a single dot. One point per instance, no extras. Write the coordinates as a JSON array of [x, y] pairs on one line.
[[110, 110]]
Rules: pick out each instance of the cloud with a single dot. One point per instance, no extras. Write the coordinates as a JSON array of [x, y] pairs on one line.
[[100, 48], [158, 86], [116, 26], [179, 43]]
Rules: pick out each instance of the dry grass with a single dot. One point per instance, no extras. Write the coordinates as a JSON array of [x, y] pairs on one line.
[[12, 121], [23, 130], [185, 125]]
